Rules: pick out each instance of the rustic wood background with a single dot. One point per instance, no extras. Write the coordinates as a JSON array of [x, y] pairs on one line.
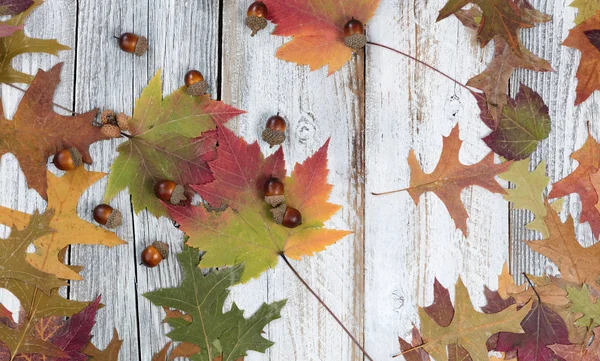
[[376, 109]]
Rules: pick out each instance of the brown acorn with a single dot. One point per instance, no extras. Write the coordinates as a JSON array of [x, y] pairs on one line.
[[196, 85], [169, 191], [108, 216], [257, 14], [287, 216], [111, 130], [67, 159], [354, 32], [274, 132], [155, 253], [274, 192], [123, 121], [132, 43]]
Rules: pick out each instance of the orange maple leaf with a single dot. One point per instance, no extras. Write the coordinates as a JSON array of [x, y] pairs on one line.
[[582, 38], [450, 177], [317, 28]]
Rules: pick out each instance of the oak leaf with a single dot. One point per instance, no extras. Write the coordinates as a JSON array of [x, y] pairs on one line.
[[37, 132], [586, 9], [317, 29], [171, 138], [469, 329], [581, 302], [110, 353], [579, 352], [245, 231], [63, 195], [411, 351], [450, 177], [202, 296], [19, 43], [581, 38]]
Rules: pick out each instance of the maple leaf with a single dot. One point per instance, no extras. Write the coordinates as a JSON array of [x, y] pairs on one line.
[[528, 192], [522, 124], [227, 334], [34, 117], [18, 43], [110, 353], [63, 195], [450, 177], [317, 29], [166, 142], [578, 352], [583, 39], [469, 329], [245, 230], [581, 302], [580, 182], [587, 9]]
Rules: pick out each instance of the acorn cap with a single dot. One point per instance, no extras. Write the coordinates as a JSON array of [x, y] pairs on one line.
[[114, 220], [198, 89], [256, 24], [76, 156], [273, 137], [162, 248], [356, 41], [274, 201], [111, 131], [178, 195], [123, 121], [141, 46], [108, 117], [279, 212]]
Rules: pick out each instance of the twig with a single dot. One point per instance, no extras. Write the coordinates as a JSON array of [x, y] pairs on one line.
[[356, 342], [532, 287]]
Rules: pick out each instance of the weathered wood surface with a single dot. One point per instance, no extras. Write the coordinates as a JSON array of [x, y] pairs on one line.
[[376, 109]]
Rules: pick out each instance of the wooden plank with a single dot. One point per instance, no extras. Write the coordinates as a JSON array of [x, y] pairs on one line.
[[54, 19], [316, 107], [410, 107], [569, 126]]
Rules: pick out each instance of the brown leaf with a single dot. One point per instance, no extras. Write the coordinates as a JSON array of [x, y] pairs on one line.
[[184, 349], [110, 353]]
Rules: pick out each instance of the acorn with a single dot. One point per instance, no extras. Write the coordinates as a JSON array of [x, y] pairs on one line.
[[111, 130], [170, 191], [354, 32], [108, 117], [132, 43], [123, 121], [257, 14], [155, 253], [274, 132], [274, 190], [196, 85], [108, 216], [67, 159], [287, 216]]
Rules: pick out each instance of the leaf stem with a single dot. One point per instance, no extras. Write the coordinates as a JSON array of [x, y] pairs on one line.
[[532, 287], [56, 105], [356, 342], [420, 62]]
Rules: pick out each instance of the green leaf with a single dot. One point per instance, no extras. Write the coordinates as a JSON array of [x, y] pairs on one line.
[[581, 302], [202, 297]]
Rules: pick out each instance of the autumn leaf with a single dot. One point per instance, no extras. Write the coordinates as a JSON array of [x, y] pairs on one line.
[[4, 313], [35, 117], [166, 142], [581, 302], [469, 329], [110, 353], [586, 9], [63, 195], [19, 43], [162, 354], [14, 7], [450, 177], [8, 30], [245, 230], [578, 352], [317, 29], [582, 38], [202, 296], [411, 350], [580, 182]]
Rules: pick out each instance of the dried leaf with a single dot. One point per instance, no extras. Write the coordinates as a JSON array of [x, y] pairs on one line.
[[581, 302], [110, 353], [317, 29], [14, 7], [580, 352], [587, 9], [167, 142], [411, 351], [6, 314], [245, 230], [162, 354]]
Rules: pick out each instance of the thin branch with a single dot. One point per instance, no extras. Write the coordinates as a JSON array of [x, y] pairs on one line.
[[56, 105], [356, 342], [532, 287], [420, 62]]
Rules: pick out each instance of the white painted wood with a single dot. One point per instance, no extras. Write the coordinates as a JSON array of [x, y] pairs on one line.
[[409, 106]]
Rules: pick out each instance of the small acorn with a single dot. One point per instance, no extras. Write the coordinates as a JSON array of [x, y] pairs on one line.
[[170, 191], [274, 191], [287, 216], [108, 117], [257, 14], [111, 130], [67, 159], [354, 32], [108, 216], [123, 121], [155, 253], [274, 132], [132, 43], [196, 85]]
